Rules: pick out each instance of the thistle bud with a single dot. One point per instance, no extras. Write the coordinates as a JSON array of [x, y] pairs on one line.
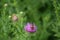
[[14, 17], [5, 5]]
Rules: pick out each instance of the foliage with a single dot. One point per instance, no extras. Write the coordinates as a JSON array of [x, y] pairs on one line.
[[44, 13]]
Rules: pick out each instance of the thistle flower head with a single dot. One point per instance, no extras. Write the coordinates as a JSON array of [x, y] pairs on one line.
[[14, 17], [30, 27]]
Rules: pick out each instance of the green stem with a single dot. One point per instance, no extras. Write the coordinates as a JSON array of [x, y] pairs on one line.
[[56, 9]]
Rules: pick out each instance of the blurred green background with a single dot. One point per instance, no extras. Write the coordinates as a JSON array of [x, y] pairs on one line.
[[44, 13]]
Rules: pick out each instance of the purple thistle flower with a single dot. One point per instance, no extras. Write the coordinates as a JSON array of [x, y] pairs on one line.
[[30, 27]]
